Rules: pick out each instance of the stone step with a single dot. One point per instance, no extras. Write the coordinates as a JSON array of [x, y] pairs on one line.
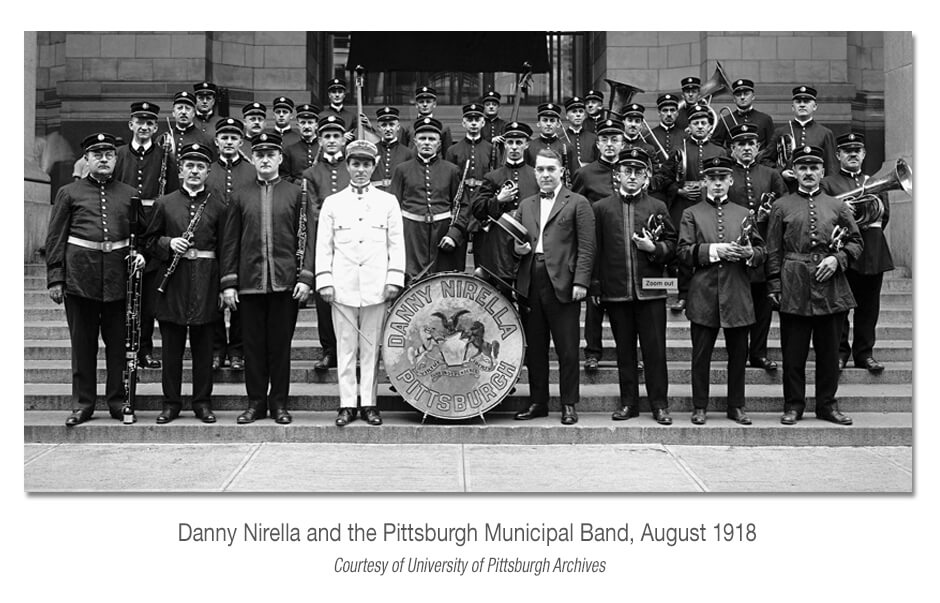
[[302, 371], [61, 349], [870, 429], [40, 299], [56, 330], [887, 398]]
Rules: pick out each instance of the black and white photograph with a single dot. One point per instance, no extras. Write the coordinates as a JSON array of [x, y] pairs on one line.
[[507, 306]]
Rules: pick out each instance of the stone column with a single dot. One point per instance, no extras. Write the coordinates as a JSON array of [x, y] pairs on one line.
[[899, 139], [36, 183]]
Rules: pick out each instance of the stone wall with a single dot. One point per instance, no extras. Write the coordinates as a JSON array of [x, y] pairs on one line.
[[899, 138]]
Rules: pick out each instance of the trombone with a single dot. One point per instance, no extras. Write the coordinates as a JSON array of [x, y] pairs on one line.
[[659, 145]]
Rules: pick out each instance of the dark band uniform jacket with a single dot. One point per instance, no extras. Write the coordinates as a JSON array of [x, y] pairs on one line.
[[719, 292], [797, 242], [670, 138], [92, 211], [347, 114], [584, 144], [407, 137], [749, 183], [426, 191], [326, 178], [596, 180], [226, 177], [492, 127], [477, 152], [620, 267], [559, 145], [207, 123], [876, 255], [568, 241], [188, 135], [696, 154], [298, 157], [764, 123], [192, 293], [389, 157], [496, 245], [812, 134], [259, 244]]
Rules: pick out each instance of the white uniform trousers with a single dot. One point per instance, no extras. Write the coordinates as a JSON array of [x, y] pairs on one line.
[[350, 345]]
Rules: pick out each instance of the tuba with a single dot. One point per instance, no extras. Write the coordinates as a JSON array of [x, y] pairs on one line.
[[864, 200], [620, 96], [718, 83]]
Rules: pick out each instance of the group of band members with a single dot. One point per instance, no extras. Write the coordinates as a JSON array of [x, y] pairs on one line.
[[288, 212]]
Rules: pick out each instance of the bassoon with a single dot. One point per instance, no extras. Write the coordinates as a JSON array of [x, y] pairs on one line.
[[132, 319]]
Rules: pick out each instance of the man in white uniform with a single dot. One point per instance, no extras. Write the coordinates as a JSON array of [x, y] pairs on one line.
[[360, 266]]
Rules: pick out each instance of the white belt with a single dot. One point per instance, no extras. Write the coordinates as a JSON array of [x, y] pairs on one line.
[[874, 224], [147, 202], [104, 246], [195, 254], [472, 182], [445, 215]]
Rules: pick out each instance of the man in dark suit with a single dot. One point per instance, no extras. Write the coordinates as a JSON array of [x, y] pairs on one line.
[[554, 276], [627, 253], [806, 266], [712, 243], [866, 272]]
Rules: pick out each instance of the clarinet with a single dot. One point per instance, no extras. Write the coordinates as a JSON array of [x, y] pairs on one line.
[[189, 235], [167, 147], [455, 207], [132, 320], [302, 227], [564, 165]]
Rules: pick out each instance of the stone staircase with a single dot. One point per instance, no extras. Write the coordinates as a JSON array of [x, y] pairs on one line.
[[881, 405]]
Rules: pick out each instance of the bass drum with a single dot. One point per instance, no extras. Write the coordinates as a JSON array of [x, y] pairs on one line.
[[453, 346]]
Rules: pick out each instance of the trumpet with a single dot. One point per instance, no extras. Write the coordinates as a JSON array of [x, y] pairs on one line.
[[655, 225], [785, 148], [766, 204], [837, 239]]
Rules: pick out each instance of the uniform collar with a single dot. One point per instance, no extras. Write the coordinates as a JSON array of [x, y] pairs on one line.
[[426, 161], [629, 198], [97, 182], [550, 138], [282, 132], [803, 124], [717, 202], [205, 116], [192, 195], [186, 129], [853, 175], [336, 108], [515, 166], [141, 149], [270, 182], [745, 166], [389, 144], [333, 159], [234, 161], [612, 165], [802, 193], [476, 140], [359, 191]]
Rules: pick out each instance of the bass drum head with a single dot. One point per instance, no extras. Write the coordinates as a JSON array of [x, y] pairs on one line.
[[453, 346]]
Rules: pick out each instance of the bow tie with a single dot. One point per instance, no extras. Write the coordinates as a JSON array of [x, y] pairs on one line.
[[546, 196]]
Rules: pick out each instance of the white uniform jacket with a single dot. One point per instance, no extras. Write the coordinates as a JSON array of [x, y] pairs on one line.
[[360, 246]]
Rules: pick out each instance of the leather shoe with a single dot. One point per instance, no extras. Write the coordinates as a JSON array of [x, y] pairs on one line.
[[237, 363], [282, 417], [205, 415], [765, 363], [698, 416], [661, 416], [590, 364], [834, 416], [534, 411], [345, 416], [77, 417], [250, 416], [117, 415], [569, 416], [842, 363], [167, 414], [790, 417], [627, 412], [326, 362], [871, 364], [370, 415], [216, 363], [677, 307], [737, 414], [148, 361]]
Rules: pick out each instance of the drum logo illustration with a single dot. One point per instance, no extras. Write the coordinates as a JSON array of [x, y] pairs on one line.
[[453, 346]]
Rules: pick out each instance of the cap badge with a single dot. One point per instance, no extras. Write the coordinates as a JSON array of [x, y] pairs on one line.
[[633, 153], [515, 124], [716, 161], [744, 128], [609, 123], [807, 149], [100, 137], [802, 88], [427, 120], [263, 137], [196, 146], [230, 121], [851, 136]]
